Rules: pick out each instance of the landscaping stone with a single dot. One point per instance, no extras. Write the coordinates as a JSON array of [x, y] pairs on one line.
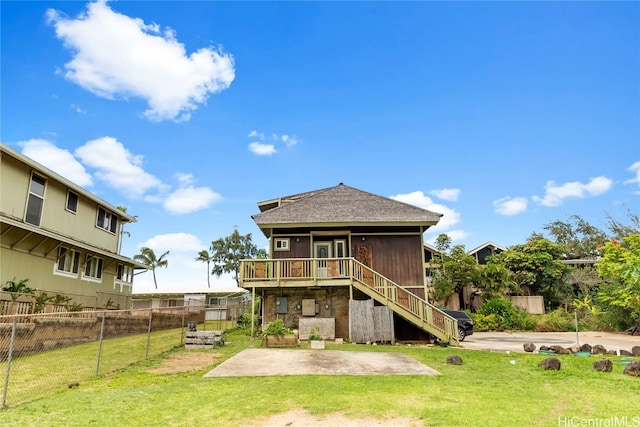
[[603, 365], [612, 353], [633, 369], [529, 347], [598, 349], [574, 348], [635, 350], [544, 347], [550, 363], [585, 347], [625, 353], [560, 350], [454, 360]]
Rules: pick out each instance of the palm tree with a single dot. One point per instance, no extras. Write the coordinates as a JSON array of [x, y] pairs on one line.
[[148, 257], [205, 256]]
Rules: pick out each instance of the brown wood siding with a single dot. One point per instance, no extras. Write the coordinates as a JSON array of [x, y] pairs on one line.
[[299, 247], [399, 258]]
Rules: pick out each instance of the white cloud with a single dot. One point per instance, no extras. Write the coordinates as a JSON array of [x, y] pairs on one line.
[[77, 109], [449, 218], [260, 149], [190, 199], [555, 194], [115, 55], [288, 140], [635, 168], [256, 134], [58, 160], [174, 242], [510, 206], [449, 194], [455, 235], [117, 167]]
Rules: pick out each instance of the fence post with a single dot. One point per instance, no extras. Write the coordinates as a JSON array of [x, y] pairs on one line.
[[146, 355], [182, 329], [9, 356], [100, 344]]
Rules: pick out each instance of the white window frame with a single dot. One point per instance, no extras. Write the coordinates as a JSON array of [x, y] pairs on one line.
[[281, 244], [75, 207], [92, 270], [107, 222], [70, 261], [124, 273], [33, 195]]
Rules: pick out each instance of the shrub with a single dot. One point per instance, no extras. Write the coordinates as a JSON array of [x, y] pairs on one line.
[[483, 322], [556, 321], [503, 309], [276, 328]]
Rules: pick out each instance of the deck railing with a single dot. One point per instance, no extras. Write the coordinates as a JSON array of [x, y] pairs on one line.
[[415, 309]]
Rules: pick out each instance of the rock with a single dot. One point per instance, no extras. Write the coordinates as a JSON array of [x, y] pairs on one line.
[[454, 360], [585, 347], [612, 353], [574, 348], [529, 347], [598, 349], [625, 353], [603, 365], [633, 369], [550, 363], [544, 347], [560, 350], [635, 350]]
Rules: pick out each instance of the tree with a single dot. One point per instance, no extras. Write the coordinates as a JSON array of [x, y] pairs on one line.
[[537, 265], [205, 256], [227, 252], [148, 256], [458, 269], [578, 238], [620, 268], [495, 280]]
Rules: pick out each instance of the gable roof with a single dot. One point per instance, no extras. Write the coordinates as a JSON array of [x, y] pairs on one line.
[[338, 206], [492, 245]]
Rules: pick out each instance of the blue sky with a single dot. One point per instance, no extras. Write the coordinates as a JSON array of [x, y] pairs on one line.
[[503, 116]]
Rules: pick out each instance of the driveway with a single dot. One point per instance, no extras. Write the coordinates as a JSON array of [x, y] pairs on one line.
[[512, 341]]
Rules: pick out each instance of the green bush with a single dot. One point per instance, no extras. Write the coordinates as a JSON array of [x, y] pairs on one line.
[[556, 321], [483, 322], [276, 328], [503, 309]]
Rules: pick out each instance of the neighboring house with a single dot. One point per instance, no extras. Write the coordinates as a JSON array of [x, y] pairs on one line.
[[61, 237], [483, 252], [340, 257], [221, 304]]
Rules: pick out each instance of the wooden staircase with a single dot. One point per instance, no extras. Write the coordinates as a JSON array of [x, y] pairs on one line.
[[406, 304]]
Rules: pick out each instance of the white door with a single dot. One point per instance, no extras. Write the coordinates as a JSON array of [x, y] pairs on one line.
[[322, 250]]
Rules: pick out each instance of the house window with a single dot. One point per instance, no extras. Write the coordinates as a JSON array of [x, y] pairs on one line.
[[124, 273], [281, 244], [106, 220], [68, 261], [35, 201], [93, 268], [72, 201], [217, 301]]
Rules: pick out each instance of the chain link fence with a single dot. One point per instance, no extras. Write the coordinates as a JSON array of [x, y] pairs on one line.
[[45, 352]]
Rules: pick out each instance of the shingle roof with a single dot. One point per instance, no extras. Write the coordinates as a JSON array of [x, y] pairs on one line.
[[341, 205]]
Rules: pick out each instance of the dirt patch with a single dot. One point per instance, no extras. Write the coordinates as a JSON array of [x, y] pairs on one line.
[[186, 362], [302, 418]]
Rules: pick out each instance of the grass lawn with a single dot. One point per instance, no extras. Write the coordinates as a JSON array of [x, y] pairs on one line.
[[487, 390]]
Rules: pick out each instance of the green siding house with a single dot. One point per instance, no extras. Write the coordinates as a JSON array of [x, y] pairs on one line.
[[62, 238]]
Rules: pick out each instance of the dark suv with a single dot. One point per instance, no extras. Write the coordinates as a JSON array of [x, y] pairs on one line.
[[465, 324]]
